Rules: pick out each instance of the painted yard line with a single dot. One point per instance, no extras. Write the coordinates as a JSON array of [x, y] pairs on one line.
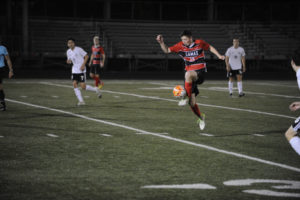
[[106, 135], [274, 84], [184, 186], [239, 155], [225, 82], [259, 135], [1, 136], [23, 96], [173, 100], [142, 133], [219, 89], [207, 134], [54, 96], [52, 135], [224, 89]]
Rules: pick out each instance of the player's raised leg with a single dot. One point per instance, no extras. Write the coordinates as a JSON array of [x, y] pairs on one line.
[[84, 86]]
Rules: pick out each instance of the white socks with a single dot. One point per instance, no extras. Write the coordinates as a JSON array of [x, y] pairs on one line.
[[295, 143], [230, 86], [240, 87], [78, 94], [90, 88]]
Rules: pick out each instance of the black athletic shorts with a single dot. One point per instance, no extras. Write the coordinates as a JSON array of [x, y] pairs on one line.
[[199, 81], [233, 73], [78, 77], [95, 69], [3, 74]]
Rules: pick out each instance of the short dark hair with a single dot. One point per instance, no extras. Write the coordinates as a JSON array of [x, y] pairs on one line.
[[187, 33], [70, 38]]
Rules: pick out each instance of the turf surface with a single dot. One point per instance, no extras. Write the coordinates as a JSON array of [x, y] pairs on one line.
[[91, 159]]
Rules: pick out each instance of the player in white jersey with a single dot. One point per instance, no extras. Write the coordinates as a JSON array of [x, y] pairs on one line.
[[78, 57], [291, 133], [235, 66]]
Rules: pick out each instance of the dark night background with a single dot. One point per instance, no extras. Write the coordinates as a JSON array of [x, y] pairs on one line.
[[35, 33]]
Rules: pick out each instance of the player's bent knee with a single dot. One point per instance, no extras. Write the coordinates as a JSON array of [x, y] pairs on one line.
[[290, 133]]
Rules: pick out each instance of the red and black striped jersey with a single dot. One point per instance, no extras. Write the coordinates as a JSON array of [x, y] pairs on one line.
[[192, 55], [98, 51]]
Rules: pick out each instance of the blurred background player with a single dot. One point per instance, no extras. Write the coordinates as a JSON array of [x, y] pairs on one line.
[[192, 53], [235, 60], [291, 133], [97, 62], [78, 57], [3, 74]]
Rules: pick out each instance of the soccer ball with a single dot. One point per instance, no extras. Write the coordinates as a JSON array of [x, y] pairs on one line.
[[179, 91]]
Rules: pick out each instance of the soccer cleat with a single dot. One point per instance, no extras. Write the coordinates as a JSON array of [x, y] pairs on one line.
[[100, 85], [201, 122], [81, 103], [98, 92], [182, 102], [241, 94], [230, 94]]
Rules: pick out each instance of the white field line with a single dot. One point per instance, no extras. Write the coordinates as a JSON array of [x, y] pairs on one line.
[[221, 89], [207, 134], [259, 135], [135, 130], [52, 135], [106, 135], [225, 82], [224, 89], [1, 136], [184, 186], [173, 100]]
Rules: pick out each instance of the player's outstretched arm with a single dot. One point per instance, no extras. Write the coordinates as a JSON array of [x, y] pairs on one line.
[[214, 51], [164, 47], [294, 106], [294, 66], [9, 63]]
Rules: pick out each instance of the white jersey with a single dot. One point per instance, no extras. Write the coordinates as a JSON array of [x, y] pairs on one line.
[[77, 57], [235, 57]]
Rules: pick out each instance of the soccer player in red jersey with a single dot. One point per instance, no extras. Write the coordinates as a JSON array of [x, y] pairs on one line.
[[192, 52], [97, 62]]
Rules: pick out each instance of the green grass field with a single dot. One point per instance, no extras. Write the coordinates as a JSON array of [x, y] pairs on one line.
[[137, 136]]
